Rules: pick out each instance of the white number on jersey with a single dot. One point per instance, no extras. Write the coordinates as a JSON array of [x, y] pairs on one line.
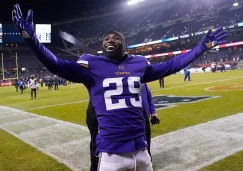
[[121, 104]]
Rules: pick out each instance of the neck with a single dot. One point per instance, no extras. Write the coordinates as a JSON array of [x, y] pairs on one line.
[[120, 58], [115, 56]]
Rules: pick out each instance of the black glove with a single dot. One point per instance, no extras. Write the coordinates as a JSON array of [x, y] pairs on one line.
[[154, 120]]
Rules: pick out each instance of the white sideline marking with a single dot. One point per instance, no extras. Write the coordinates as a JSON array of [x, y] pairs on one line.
[[68, 143], [234, 86], [195, 147], [188, 85], [62, 104], [187, 149]]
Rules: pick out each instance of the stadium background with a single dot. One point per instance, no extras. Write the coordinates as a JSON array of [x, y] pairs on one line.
[[158, 29]]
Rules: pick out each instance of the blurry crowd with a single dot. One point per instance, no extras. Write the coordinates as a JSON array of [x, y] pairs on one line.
[[47, 81], [177, 17]]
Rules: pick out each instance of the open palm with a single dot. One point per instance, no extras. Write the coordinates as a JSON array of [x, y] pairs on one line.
[[25, 27], [212, 39]]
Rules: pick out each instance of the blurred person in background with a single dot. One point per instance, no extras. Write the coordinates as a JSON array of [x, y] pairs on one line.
[[16, 84], [21, 86], [55, 81], [187, 73], [222, 67], [49, 82], [162, 82], [41, 82], [204, 69], [150, 113], [33, 85]]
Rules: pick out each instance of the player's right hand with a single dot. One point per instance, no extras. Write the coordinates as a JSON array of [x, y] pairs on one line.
[[25, 27]]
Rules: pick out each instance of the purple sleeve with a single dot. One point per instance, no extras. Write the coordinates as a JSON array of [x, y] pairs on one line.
[[151, 101], [68, 70], [156, 71]]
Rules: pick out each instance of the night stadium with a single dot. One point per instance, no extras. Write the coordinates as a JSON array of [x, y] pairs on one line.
[[121, 85]]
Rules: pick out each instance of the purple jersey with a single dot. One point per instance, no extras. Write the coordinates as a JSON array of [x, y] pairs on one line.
[[115, 95], [114, 90]]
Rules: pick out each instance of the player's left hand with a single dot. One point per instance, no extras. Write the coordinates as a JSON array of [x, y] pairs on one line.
[[212, 39], [154, 119]]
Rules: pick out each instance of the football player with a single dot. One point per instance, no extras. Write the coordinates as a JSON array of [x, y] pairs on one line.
[[148, 109], [113, 81]]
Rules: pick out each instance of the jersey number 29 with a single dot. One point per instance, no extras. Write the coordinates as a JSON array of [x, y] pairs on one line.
[[121, 104]]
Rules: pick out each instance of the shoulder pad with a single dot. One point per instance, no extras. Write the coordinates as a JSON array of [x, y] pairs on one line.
[[84, 60]]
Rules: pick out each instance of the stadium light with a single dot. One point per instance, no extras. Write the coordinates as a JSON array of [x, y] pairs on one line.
[[132, 2], [236, 4]]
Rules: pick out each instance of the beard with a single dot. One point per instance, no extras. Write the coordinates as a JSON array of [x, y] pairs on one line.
[[114, 53]]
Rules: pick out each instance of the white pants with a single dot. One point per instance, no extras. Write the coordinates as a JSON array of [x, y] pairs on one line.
[[137, 161]]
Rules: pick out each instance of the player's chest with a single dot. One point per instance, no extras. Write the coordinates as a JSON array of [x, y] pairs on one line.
[[110, 70]]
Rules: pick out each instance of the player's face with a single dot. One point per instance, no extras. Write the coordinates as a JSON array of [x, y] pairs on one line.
[[111, 42]]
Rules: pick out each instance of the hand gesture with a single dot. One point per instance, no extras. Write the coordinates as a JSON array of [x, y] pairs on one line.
[[212, 39], [25, 27]]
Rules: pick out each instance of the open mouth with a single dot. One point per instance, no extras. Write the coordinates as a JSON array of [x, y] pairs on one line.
[[110, 48]]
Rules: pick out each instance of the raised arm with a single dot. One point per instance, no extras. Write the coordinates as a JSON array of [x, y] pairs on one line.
[[68, 70], [156, 71]]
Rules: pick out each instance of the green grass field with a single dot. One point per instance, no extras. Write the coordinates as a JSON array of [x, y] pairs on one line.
[[69, 104]]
